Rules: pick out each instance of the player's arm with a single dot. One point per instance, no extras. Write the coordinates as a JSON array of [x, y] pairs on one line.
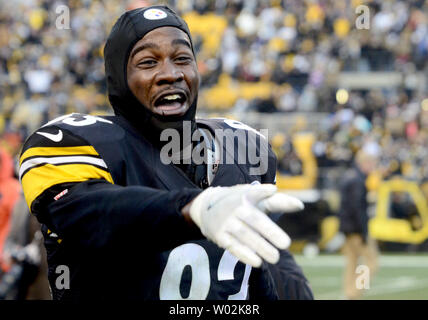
[[93, 212], [70, 189], [290, 282]]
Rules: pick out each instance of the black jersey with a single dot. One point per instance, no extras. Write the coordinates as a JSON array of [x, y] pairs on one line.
[[111, 215]]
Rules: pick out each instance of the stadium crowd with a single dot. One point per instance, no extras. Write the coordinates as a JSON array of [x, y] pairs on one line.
[[263, 56], [266, 56]]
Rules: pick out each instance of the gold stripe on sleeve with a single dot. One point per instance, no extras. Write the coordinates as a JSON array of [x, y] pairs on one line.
[[58, 151], [39, 179]]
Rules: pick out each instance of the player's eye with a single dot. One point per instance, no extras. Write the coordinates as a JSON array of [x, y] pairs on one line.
[[146, 63], [183, 59]]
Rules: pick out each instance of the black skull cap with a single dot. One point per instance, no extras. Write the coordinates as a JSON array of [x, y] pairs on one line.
[[131, 27]]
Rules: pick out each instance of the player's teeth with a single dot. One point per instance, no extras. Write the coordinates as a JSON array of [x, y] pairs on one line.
[[172, 97]]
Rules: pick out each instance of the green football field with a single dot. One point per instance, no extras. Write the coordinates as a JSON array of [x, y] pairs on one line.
[[400, 277]]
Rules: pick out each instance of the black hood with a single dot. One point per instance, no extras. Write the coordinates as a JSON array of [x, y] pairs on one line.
[[127, 31]]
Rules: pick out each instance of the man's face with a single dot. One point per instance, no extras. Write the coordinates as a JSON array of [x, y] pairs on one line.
[[368, 166], [162, 72]]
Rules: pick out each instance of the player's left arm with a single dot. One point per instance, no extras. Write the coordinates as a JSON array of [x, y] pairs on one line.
[[290, 282]]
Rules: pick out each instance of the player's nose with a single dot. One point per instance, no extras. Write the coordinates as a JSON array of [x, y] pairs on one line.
[[169, 73]]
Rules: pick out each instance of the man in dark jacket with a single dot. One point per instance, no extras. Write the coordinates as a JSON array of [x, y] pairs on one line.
[[354, 222]]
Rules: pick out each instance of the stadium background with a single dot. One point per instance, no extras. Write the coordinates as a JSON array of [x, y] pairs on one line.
[[324, 89]]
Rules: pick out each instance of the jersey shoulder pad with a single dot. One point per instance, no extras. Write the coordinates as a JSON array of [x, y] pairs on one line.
[[230, 124], [57, 154], [254, 142], [225, 123]]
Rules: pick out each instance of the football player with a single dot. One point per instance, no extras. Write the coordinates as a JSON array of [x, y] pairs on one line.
[[121, 223]]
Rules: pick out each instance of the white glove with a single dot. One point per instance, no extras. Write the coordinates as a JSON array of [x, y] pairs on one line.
[[232, 217]]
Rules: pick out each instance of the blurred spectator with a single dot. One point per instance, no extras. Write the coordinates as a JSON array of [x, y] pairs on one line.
[[27, 273], [288, 162], [9, 194], [354, 218], [403, 207]]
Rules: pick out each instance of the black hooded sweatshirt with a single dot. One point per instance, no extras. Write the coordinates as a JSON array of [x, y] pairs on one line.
[[110, 248]]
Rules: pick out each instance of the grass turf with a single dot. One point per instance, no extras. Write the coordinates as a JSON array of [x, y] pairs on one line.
[[400, 277]]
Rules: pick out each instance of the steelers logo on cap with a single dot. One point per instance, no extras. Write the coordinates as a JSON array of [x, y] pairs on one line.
[[155, 14]]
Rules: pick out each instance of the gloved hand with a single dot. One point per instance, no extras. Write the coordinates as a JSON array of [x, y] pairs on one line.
[[234, 219]]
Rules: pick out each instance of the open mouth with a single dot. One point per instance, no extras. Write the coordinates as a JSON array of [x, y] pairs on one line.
[[170, 103]]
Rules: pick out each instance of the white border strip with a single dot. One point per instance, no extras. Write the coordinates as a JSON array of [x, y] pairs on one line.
[[28, 164]]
